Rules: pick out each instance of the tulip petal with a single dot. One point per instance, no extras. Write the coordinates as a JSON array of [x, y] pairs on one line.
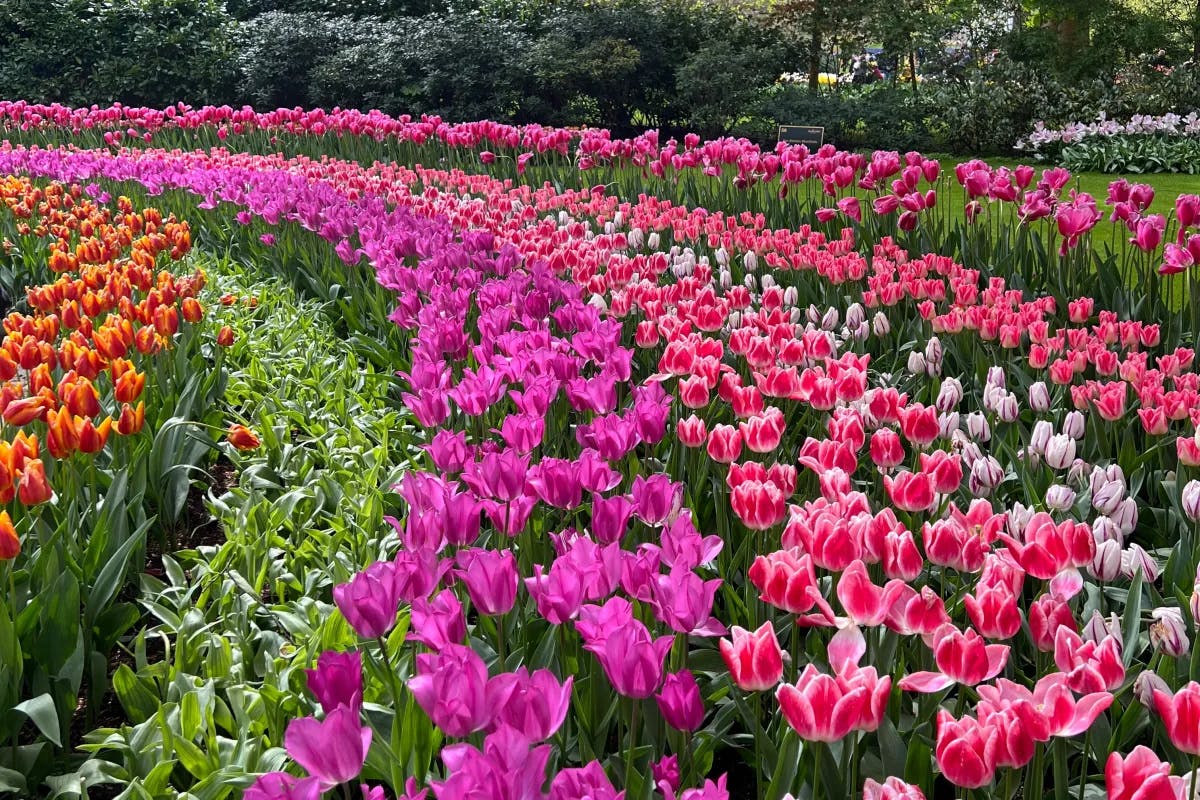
[[926, 682], [997, 656], [1066, 584], [1086, 710], [846, 648]]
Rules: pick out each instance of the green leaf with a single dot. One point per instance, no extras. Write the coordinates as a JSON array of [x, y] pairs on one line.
[[139, 702], [44, 715]]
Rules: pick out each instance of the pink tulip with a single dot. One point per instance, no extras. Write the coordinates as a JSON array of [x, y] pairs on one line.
[[333, 750]]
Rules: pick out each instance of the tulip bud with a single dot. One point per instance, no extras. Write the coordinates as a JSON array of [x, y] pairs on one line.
[[1190, 500], [1106, 561], [1107, 497], [1008, 410], [970, 454], [652, 241], [634, 239], [725, 279], [949, 395], [1059, 497], [767, 281], [855, 315], [1146, 684], [829, 319], [861, 332], [880, 324], [916, 362], [1126, 515], [1039, 397], [933, 353], [1167, 632], [1042, 432], [995, 377], [986, 475], [750, 261], [1060, 451], [1194, 600], [749, 282], [791, 296], [948, 424], [1077, 474], [977, 427], [1018, 519], [1105, 530], [1099, 628], [1074, 425]]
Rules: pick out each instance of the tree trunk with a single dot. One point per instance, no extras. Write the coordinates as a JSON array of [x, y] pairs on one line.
[[1196, 34], [814, 52], [912, 68]]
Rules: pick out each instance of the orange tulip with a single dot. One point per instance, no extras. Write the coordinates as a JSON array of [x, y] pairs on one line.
[[109, 343], [243, 438], [33, 487], [39, 378], [131, 421], [24, 448], [192, 310], [62, 437], [166, 320], [92, 438], [147, 340], [10, 543], [84, 400], [129, 386], [24, 411], [225, 337]]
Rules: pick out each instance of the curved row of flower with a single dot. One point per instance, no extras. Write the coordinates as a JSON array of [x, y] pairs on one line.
[[523, 386]]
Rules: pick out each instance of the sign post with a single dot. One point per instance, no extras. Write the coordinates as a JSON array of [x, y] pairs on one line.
[[811, 136]]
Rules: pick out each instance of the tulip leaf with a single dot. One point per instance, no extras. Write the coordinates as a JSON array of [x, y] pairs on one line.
[[42, 712], [1132, 623]]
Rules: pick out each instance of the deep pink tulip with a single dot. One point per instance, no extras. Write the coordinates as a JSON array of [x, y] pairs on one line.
[[282, 786], [439, 622], [533, 704], [820, 710], [962, 657], [1141, 776], [491, 579], [680, 702], [632, 659], [337, 680], [451, 687], [754, 659], [332, 750], [370, 600], [1180, 715], [966, 751], [891, 789]]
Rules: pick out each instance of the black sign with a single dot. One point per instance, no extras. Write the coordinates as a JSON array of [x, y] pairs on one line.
[[809, 135]]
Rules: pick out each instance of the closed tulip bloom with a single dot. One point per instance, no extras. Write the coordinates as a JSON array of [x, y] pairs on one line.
[[818, 709], [724, 444], [332, 750], [1141, 776], [910, 491], [786, 580], [760, 505], [451, 687], [994, 611], [1060, 451], [534, 704], [1039, 397], [242, 437], [680, 702], [887, 450], [966, 751], [33, 488], [491, 579], [10, 543], [632, 659], [755, 659], [225, 336], [1181, 716], [692, 431], [1047, 614], [337, 680], [370, 600]]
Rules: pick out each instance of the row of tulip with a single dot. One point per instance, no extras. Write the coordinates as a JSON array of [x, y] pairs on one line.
[[1052, 235], [543, 346], [102, 368]]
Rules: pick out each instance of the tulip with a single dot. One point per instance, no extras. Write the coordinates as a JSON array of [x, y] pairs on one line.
[[786, 580], [1141, 776], [1168, 634], [533, 704], [820, 710], [760, 505], [282, 786], [242, 437], [891, 789], [438, 623], [755, 660], [1181, 716], [33, 488], [10, 543], [680, 702], [910, 491], [491, 579], [370, 600], [451, 686], [225, 336], [962, 657], [965, 750], [333, 750], [724, 444], [337, 680], [631, 659]]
